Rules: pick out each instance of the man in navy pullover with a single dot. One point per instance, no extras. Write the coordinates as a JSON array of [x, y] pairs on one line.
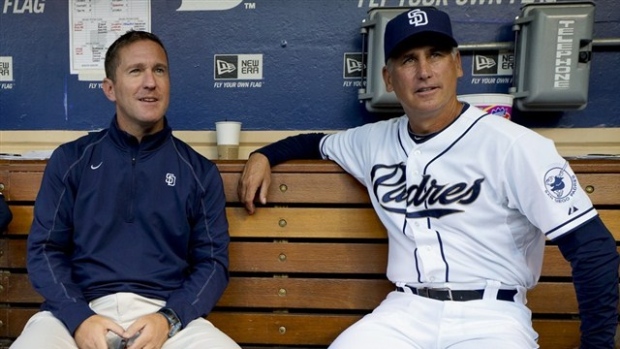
[[129, 243]]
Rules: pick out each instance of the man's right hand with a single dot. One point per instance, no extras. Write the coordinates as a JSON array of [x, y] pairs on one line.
[[256, 176], [91, 334]]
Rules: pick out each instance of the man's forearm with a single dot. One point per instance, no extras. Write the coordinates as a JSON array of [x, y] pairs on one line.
[[591, 249], [299, 147]]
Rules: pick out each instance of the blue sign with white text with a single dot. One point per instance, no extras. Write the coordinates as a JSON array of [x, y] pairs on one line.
[[272, 64]]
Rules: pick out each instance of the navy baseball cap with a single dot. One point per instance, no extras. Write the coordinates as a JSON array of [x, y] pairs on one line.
[[416, 27]]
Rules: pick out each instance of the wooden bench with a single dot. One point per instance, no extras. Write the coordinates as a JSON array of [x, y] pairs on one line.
[[309, 264]]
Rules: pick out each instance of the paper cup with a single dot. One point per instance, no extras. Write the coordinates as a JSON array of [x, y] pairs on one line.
[[493, 103], [227, 152], [227, 137]]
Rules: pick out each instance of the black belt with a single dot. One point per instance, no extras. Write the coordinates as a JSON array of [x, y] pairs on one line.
[[446, 294]]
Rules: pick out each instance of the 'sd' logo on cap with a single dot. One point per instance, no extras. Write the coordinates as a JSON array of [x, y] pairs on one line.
[[417, 17]]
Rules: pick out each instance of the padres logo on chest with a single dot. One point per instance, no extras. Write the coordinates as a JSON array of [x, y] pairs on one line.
[[426, 198]]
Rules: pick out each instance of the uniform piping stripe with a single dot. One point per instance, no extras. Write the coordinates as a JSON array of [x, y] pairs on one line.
[[568, 222]]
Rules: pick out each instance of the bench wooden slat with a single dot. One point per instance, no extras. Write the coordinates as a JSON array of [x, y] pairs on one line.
[[256, 328], [351, 223], [292, 257], [315, 293], [361, 223], [276, 222], [14, 319], [557, 334], [302, 329], [16, 288], [12, 253], [365, 295], [267, 257], [305, 293], [23, 186], [334, 258], [611, 218], [354, 223], [306, 222], [282, 329], [22, 219], [602, 188], [324, 188], [323, 258], [554, 264], [270, 257]]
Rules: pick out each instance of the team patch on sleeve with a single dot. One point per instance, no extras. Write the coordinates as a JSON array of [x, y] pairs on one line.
[[560, 184]]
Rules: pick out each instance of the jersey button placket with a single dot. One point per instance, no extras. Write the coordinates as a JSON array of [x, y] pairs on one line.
[[414, 164], [430, 256]]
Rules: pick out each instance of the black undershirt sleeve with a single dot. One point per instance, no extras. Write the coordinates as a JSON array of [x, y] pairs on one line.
[[300, 147], [591, 251]]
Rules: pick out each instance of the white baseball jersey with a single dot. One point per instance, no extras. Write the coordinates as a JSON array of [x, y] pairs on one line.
[[474, 203]]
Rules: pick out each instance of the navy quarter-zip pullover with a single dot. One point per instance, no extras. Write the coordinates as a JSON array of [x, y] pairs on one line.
[[117, 215]]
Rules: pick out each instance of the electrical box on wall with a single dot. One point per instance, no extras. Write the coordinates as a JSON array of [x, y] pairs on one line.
[[553, 50], [374, 94]]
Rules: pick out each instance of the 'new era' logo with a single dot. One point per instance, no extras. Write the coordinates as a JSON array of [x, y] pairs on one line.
[[493, 63], [238, 67], [483, 62], [353, 66], [224, 67], [6, 68]]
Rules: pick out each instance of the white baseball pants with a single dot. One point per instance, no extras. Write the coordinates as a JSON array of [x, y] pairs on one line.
[[407, 321]]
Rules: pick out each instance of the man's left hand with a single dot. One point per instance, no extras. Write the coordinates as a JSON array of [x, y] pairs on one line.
[[153, 329]]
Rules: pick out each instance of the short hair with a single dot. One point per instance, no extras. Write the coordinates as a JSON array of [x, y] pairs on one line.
[[112, 60]]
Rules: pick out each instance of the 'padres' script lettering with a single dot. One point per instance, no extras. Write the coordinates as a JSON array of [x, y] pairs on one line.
[[390, 188]]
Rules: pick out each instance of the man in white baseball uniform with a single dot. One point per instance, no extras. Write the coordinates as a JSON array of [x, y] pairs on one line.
[[468, 200]]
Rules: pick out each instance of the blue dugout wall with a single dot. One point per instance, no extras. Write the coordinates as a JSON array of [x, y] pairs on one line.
[[296, 63]]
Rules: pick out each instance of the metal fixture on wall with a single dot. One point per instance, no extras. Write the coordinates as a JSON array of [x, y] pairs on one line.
[[553, 52], [374, 94], [535, 49]]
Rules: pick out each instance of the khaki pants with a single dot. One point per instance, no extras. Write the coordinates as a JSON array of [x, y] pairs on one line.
[[43, 330]]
